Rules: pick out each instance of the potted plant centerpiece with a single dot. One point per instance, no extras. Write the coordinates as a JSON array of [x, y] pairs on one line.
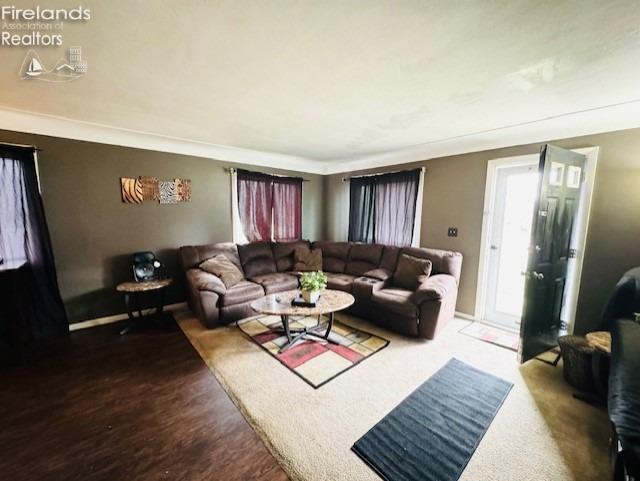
[[311, 284]]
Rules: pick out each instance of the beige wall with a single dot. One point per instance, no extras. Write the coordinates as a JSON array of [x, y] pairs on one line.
[[93, 233], [454, 196]]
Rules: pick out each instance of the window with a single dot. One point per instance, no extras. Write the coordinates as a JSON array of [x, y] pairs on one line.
[[382, 208], [269, 206]]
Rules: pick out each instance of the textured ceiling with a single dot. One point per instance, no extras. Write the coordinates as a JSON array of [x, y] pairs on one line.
[[335, 80]]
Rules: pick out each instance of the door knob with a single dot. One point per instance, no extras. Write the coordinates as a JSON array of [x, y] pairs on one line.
[[494, 248], [536, 275]]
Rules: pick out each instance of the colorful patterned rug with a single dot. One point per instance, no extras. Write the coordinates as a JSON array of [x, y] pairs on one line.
[[316, 362], [493, 335]]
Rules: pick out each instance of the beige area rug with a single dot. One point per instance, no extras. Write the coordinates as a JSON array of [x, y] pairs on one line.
[[541, 432]]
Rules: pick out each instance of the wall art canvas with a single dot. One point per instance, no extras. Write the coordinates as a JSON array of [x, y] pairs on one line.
[[131, 190], [168, 194], [183, 190], [150, 189]]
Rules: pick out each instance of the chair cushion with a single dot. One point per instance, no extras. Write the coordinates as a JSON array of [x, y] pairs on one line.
[[397, 300], [340, 282], [222, 267], [243, 291], [257, 259], [363, 258], [411, 271], [307, 260], [277, 282], [283, 253]]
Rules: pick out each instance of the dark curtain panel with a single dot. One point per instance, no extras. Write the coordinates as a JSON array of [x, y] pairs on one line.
[[24, 239], [287, 208], [395, 207], [382, 208], [362, 209], [255, 201]]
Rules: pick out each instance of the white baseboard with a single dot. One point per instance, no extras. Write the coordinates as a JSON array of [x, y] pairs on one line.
[[101, 321], [468, 317]]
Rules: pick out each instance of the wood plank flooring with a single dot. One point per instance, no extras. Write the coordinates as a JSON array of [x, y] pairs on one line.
[[139, 407]]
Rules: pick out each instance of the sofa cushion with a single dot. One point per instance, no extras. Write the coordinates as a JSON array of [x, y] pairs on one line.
[[222, 267], [307, 260], [442, 261], [193, 256], [397, 300], [340, 282], [389, 258], [334, 255], [411, 271], [277, 282], [379, 274], [257, 259], [434, 288], [363, 258], [204, 281], [244, 291], [283, 253]]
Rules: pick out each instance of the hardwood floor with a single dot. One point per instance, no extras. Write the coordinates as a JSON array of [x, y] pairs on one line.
[[139, 407]]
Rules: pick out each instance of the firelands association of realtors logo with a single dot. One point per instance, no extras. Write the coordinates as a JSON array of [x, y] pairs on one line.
[[40, 28]]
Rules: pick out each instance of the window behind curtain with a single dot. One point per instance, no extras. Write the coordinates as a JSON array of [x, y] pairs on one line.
[[287, 209], [382, 208], [24, 239], [270, 207]]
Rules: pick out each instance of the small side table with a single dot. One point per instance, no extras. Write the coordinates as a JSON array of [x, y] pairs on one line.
[[134, 289]]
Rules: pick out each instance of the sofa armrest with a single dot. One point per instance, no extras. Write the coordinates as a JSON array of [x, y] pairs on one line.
[[205, 281], [434, 288], [380, 273]]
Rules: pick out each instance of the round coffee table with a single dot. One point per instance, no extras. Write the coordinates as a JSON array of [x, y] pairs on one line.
[[134, 289], [279, 304]]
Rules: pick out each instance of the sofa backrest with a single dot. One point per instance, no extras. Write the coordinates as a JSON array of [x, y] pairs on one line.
[[389, 259], [363, 258], [193, 256], [334, 255], [443, 261], [257, 259], [283, 253]]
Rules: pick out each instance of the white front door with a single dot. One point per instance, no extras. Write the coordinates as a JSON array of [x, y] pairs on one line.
[[514, 197]]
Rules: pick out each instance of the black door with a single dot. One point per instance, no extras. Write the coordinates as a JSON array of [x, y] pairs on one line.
[[561, 179]]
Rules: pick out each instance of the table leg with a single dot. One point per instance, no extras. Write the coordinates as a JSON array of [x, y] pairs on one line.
[[128, 304], [285, 324], [329, 326]]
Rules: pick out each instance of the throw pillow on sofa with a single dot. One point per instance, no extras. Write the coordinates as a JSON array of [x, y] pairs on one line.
[[222, 267], [307, 260], [411, 271]]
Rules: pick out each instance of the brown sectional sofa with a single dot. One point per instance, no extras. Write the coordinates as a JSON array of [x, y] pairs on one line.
[[364, 270]]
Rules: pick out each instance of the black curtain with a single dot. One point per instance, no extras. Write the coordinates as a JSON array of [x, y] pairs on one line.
[[362, 209], [24, 239], [382, 208]]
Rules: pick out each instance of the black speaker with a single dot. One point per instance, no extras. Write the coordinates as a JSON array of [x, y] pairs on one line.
[[146, 267]]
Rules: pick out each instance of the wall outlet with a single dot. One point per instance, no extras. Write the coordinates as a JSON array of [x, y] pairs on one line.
[[452, 232]]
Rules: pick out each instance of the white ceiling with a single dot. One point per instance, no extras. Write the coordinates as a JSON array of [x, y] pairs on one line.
[[328, 85]]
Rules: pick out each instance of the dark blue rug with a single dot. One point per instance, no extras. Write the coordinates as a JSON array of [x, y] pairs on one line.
[[432, 434]]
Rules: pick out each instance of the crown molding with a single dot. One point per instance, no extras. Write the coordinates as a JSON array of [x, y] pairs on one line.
[[621, 116], [51, 125]]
